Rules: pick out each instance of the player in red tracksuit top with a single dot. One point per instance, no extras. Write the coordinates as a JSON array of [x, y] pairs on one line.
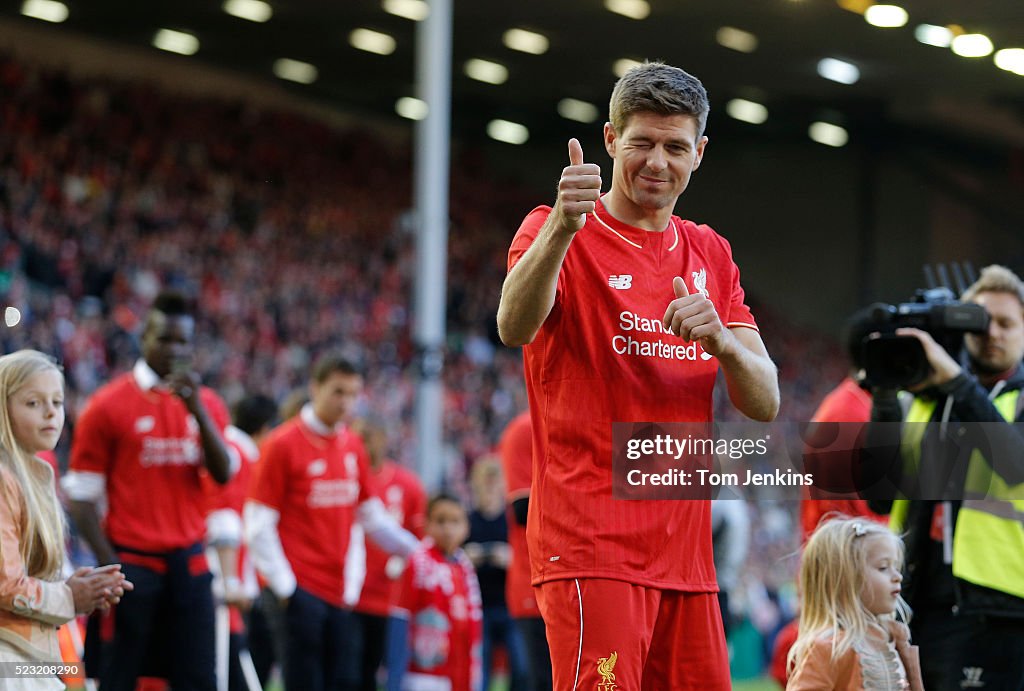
[[313, 483], [435, 633], [516, 451], [146, 444], [626, 312], [405, 499], [236, 584]]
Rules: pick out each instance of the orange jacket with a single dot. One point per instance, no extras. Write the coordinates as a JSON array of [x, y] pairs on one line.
[[31, 609], [872, 662]]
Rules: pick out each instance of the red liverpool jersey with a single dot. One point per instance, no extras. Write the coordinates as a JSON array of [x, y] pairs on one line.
[[441, 599], [315, 483], [406, 501], [602, 356], [516, 450], [146, 445]]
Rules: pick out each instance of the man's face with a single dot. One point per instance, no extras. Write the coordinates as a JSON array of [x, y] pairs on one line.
[[167, 342], [1002, 347], [654, 156], [335, 397]]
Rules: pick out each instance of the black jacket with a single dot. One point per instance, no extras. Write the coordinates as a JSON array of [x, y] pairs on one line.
[[928, 581]]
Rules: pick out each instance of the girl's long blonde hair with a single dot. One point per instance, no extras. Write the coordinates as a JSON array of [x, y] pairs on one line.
[[831, 583], [42, 538]]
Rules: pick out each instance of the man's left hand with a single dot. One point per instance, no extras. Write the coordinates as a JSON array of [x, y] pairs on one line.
[[694, 318]]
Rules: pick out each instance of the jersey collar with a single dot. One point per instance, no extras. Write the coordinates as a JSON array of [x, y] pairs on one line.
[[316, 424], [144, 375], [637, 237]]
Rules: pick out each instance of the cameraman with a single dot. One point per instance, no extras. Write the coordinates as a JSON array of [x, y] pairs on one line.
[[964, 567]]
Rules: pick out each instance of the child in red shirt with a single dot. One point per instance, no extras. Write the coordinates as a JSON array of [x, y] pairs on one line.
[[435, 630]]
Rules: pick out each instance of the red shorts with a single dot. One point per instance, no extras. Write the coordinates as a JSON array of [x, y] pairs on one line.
[[607, 635]]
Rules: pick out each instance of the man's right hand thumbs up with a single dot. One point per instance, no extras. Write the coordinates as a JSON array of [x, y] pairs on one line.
[[578, 189]]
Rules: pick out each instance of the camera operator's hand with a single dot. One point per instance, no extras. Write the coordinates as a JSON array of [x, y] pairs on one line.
[[944, 367]]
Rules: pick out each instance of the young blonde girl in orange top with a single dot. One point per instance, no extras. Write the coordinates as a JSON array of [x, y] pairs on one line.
[[34, 600], [849, 638]]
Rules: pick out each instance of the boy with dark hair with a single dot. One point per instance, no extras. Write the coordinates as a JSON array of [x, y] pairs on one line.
[[435, 633]]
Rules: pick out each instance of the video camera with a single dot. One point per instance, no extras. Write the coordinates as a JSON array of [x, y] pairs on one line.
[[892, 361]]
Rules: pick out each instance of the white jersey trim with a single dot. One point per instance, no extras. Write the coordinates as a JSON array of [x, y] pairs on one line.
[[617, 233], [579, 655], [82, 485], [415, 681]]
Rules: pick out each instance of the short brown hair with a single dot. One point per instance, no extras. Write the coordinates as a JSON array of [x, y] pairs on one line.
[[995, 279], [329, 363], [655, 87]]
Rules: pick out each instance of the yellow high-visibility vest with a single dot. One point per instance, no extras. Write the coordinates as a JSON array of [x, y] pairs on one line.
[[988, 539]]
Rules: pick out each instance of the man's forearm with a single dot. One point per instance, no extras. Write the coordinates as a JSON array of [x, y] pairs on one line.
[[528, 293], [752, 381], [87, 521], [215, 453]]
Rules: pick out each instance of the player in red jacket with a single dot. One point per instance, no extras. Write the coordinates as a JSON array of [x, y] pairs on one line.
[[405, 499], [235, 586], [313, 484], [145, 445], [516, 451], [626, 313]]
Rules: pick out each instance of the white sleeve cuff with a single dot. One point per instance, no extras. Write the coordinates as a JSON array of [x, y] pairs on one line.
[[260, 524], [84, 486], [224, 528], [382, 528]]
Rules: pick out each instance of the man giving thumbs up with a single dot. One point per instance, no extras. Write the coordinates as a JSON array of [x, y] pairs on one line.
[[626, 312]]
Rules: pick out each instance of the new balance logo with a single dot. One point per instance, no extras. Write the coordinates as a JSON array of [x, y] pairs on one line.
[[621, 282], [972, 678]]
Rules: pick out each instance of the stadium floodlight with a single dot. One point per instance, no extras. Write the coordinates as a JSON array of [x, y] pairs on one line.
[[372, 41], [838, 70], [746, 111], [932, 35], [580, 111], [295, 71], [736, 39], [486, 71], [47, 10], [252, 10], [508, 132], [411, 108], [624, 65], [1011, 60], [178, 42], [634, 9], [525, 41], [828, 134], [972, 45], [886, 16], [856, 6], [416, 10]]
